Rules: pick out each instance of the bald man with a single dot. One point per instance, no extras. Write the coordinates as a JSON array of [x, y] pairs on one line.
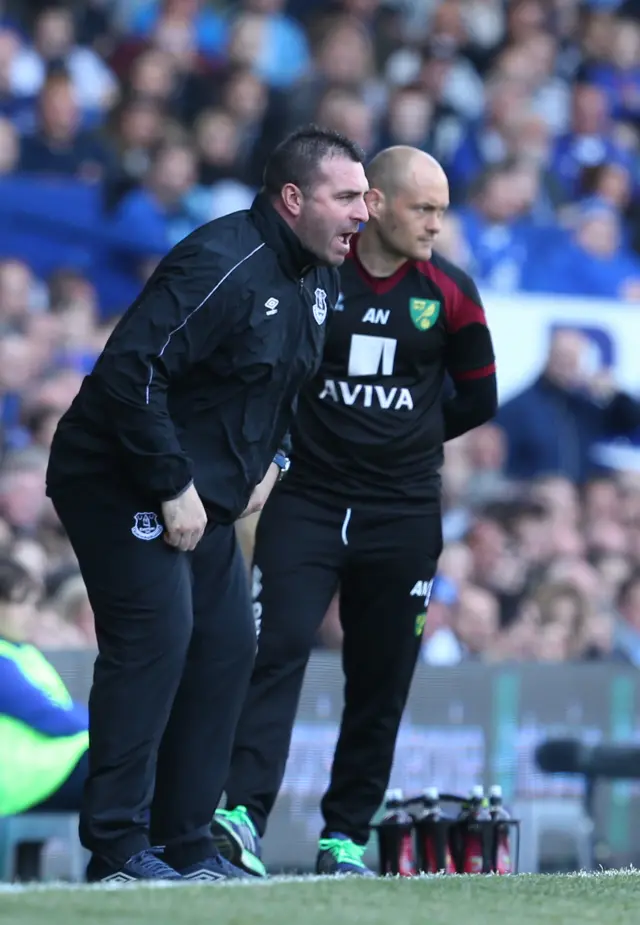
[[360, 510]]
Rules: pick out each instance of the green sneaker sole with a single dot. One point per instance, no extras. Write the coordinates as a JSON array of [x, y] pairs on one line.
[[230, 847]]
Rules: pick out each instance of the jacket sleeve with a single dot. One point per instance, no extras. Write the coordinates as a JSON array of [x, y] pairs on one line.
[[191, 303], [470, 361], [622, 415], [22, 700]]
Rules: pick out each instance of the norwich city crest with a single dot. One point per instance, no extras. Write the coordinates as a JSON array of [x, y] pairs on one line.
[[424, 313]]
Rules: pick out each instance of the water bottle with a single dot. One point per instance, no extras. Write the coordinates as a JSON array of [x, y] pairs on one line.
[[502, 847], [433, 851], [395, 837], [473, 814]]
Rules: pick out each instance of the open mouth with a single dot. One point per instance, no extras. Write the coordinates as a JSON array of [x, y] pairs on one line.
[[345, 238]]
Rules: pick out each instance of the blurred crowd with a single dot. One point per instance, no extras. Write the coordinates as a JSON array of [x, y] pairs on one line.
[[124, 124], [155, 115]]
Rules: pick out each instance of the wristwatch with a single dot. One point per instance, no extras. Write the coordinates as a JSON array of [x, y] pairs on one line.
[[283, 462]]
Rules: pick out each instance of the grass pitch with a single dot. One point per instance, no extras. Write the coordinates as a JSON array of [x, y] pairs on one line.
[[606, 899]]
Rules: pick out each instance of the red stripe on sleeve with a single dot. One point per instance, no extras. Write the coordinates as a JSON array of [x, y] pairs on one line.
[[476, 373], [462, 308]]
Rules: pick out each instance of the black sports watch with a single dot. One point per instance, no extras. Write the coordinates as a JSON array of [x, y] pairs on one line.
[[283, 462]]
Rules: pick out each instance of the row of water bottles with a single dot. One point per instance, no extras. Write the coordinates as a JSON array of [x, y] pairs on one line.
[[418, 836]]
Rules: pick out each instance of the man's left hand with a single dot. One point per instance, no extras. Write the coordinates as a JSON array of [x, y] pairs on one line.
[[261, 492]]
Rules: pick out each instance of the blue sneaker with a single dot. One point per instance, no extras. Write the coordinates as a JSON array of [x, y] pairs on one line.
[[212, 869], [237, 840], [145, 865], [339, 855]]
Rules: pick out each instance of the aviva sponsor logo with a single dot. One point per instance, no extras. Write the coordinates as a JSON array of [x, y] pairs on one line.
[[368, 396]]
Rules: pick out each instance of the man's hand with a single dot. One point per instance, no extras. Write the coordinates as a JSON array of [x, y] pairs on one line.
[[184, 520], [262, 491], [602, 386]]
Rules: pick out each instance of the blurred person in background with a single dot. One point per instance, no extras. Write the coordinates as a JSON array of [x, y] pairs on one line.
[[342, 57], [456, 564], [44, 735], [559, 496], [535, 421], [360, 510], [619, 75], [594, 261], [487, 452], [429, 71], [532, 64], [627, 623], [498, 228], [343, 110], [145, 223], [18, 366], [487, 142], [411, 120], [208, 25], [259, 115], [17, 295], [590, 140], [135, 131], [564, 614], [497, 567], [477, 622], [71, 603], [54, 46], [22, 489], [283, 53], [448, 34], [59, 146]]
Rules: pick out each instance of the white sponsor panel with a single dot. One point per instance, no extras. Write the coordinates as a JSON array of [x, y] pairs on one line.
[[521, 328]]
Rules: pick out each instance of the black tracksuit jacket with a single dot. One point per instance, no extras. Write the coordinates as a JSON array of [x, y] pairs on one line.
[[198, 381]]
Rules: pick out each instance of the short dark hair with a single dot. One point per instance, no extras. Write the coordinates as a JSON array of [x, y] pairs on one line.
[[297, 158]]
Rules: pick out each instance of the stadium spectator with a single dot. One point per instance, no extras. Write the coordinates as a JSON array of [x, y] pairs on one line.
[[487, 141], [59, 146], [590, 140], [553, 425], [627, 629], [44, 733], [498, 227], [345, 111], [54, 46]]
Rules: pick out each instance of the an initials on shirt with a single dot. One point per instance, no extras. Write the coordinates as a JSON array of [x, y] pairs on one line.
[[377, 315]]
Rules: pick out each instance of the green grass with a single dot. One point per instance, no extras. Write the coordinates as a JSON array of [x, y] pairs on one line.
[[606, 899]]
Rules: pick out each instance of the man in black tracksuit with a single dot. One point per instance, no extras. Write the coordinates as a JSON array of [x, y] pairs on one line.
[[174, 436], [360, 509]]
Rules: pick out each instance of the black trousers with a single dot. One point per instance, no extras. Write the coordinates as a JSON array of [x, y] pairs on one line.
[[176, 642], [383, 565]]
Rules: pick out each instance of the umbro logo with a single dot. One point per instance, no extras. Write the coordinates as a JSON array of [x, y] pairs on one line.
[[204, 876], [118, 878], [271, 306]]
